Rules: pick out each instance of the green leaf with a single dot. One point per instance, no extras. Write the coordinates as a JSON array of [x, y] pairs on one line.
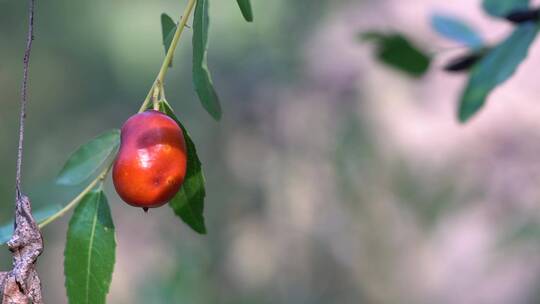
[[90, 251], [89, 158], [457, 30], [201, 74], [6, 231], [396, 51], [501, 8], [495, 68], [168, 28], [188, 203], [245, 8]]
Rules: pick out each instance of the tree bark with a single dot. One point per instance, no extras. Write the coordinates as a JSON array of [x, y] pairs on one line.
[[22, 285]]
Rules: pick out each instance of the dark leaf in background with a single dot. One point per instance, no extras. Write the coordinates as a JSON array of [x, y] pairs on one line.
[[90, 251], [201, 74], [520, 15], [465, 62], [495, 68], [457, 30], [245, 8], [168, 28], [88, 158], [396, 51], [501, 8], [188, 203]]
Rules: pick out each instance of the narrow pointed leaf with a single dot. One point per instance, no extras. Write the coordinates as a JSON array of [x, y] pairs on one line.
[[396, 51], [89, 158], [168, 28], [501, 8], [495, 68], [245, 8], [457, 30], [202, 79], [188, 203], [90, 251]]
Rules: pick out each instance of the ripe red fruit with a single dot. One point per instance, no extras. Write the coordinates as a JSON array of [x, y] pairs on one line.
[[151, 164]]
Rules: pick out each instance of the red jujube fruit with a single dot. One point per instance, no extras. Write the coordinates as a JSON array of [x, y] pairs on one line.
[[151, 164]]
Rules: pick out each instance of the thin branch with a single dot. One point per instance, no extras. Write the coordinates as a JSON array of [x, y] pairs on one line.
[[22, 285], [24, 94]]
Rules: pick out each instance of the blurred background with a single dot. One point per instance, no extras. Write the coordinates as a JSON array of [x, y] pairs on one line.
[[330, 179]]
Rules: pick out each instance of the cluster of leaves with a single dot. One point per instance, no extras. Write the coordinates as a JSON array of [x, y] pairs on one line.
[[90, 245], [202, 78], [488, 66]]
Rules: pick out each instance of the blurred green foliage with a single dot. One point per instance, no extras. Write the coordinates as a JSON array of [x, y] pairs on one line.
[[455, 29], [398, 52], [501, 8], [490, 66], [497, 66]]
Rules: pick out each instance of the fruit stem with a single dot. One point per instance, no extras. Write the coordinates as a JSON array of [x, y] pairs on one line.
[[155, 97], [168, 58]]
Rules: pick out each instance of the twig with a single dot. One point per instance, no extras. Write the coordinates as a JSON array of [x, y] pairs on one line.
[[24, 94], [160, 79], [22, 285]]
